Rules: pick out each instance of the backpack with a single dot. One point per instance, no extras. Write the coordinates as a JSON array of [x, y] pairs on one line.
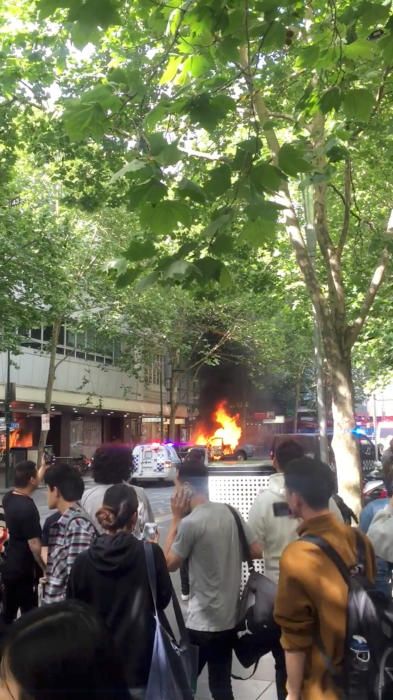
[[83, 515], [367, 672]]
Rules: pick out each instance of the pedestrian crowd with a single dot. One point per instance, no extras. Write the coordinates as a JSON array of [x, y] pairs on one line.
[[84, 598]]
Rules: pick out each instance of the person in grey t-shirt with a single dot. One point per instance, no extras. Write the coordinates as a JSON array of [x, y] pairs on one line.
[[112, 465], [206, 534]]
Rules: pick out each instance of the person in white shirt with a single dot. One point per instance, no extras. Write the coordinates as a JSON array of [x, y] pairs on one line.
[[274, 532]]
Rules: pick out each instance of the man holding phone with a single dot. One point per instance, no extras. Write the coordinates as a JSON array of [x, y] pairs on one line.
[[206, 534]]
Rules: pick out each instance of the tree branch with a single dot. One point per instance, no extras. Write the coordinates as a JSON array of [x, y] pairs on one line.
[[291, 221], [354, 330], [347, 208], [329, 253]]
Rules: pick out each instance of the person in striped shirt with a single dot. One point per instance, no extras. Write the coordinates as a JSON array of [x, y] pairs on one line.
[[70, 534]]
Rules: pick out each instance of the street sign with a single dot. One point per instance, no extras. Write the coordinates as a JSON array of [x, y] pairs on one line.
[[45, 421]]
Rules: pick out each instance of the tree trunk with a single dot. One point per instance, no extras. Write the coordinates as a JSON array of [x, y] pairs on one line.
[[346, 452], [173, 402], [298, 388], [49, 387]]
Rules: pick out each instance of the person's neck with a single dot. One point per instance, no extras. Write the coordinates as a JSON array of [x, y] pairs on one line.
[[63, 505], [25, 491], [199, 500], [310, 513]]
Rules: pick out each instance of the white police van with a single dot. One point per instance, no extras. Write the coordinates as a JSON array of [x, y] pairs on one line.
[[155, 462]]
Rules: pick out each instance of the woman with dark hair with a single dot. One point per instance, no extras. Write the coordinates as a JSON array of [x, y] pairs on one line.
[[112, 577], [61, 651]]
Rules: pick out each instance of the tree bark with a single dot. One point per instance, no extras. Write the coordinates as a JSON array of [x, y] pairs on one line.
[[49, 386], [346, 452], [173, 400]]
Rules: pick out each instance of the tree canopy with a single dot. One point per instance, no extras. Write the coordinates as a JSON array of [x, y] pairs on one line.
[[228, 134]]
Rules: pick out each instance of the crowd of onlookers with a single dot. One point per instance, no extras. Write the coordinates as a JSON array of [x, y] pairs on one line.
[[79, 619]]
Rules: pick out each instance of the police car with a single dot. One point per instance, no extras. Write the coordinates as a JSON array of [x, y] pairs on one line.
[[155, 461]]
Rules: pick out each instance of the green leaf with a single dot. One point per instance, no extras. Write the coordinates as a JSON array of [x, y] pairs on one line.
[[336, 153], [264, 209], [291, 161], [374, 13], [140, 250], [198, 65], [127, 278], [218, 223], [252, 145], [222, 244], [209, 111], [188, 188], [331, 99], [131, 167], [178, 269], [157, 143], [386, 45], [209, 268], [152, 191], [171, 69], [358, 104], [147, 281], [361, 48], [274, 37], [164, 217], [225, 280], [266, 176], [307, 57], [83, 120], [103, 95], [220, 181], [258, 233], [169, 155]]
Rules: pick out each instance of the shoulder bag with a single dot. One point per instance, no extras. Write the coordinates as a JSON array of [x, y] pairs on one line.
[[174, 665]]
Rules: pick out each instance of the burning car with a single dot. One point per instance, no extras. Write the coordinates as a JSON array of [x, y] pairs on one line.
[[225, 441]]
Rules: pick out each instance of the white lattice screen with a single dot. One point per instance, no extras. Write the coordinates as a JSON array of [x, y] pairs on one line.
[[240, 492]]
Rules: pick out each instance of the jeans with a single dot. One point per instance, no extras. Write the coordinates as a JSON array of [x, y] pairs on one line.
[[281, 671], [19, 594], [215, 650]]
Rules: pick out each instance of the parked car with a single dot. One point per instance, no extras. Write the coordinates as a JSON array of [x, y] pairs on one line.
[[154, 462]]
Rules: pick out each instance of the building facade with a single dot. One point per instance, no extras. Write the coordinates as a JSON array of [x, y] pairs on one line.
[[93, 400]]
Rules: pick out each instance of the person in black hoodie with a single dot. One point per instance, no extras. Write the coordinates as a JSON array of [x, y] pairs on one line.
[[112, 577]]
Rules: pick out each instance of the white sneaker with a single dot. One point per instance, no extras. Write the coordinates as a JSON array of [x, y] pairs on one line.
[[185, 597]]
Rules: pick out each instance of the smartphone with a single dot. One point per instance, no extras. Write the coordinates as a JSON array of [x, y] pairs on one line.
[[150, 531], [281, 509]]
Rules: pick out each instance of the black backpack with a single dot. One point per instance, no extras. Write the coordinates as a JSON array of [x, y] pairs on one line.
[[367, 672]]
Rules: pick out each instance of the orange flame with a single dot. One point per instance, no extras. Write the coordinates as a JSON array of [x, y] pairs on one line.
[[230, 431]]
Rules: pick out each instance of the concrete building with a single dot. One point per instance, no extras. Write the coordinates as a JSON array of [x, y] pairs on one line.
[[93, 402]]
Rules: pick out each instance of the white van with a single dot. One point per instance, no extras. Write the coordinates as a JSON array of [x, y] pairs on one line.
[[155, 461]]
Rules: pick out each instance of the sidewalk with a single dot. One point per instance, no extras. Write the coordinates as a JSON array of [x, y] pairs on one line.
[[260, 687]]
